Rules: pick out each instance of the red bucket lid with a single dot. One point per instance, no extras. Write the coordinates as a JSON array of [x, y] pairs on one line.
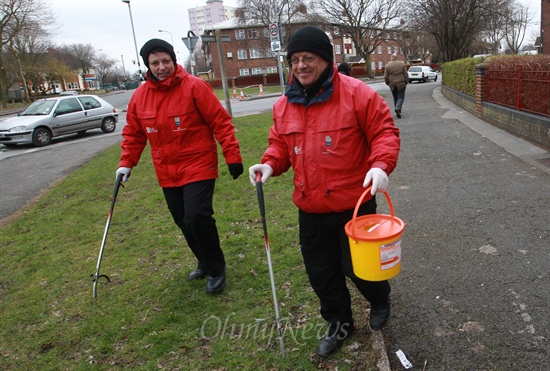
[[374, 227]]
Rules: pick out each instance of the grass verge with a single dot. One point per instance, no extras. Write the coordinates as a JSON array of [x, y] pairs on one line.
[[149, 316]]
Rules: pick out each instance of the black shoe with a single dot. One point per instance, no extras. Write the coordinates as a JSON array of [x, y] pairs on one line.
[[334, 338], [379, 316], [215, 284], [398, 113], [197, 274]]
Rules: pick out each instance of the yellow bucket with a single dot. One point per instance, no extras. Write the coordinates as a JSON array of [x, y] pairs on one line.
[[375, 243]]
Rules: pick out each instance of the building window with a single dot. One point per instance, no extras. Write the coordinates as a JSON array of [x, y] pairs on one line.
[[266, 33], [256, 71], [336, 31], [389, 49], [373, 65], [395, 49], [253, 33], [379, 49], [380, 65], [255, 53], [337, 49], [241, 54], [271, 69], [244, 72], [239, 34]]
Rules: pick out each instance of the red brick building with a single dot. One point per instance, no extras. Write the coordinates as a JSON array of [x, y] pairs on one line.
[[249, 50]]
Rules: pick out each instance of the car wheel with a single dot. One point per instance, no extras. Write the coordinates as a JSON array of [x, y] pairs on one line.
[[41, 137], [410, 81], [108, 125], [435, 78]]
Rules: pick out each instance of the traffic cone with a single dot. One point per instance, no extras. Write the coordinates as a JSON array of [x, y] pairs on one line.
[[261, 90], [242, 94], [235, 93]]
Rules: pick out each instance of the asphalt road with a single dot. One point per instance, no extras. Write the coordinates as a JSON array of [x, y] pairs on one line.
[[474, 288]]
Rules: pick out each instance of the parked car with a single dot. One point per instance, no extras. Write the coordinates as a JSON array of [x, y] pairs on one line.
[[422, 74], [56, 116], [69, 92]]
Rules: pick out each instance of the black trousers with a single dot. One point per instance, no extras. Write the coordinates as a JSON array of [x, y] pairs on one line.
[[326, 253], [191, 208]]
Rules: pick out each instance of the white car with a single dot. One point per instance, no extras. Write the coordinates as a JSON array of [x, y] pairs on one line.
[[422, 74], [52, 117]]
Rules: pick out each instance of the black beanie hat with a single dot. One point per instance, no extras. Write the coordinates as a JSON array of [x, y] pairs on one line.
[[310, 39], [148, 47]]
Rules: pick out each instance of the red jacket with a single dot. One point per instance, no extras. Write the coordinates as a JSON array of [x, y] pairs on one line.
[[182, 118], [332, 142]]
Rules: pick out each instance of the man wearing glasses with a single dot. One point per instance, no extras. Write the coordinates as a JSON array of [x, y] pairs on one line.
[[339, 137]]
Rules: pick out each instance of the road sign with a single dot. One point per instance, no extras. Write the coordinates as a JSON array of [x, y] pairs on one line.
[[274, 32], [275, 46]]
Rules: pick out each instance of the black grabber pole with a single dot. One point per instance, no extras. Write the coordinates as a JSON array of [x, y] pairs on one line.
[[260, 192], [96, 276]]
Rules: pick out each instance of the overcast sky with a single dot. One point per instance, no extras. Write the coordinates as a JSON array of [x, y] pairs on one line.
[[106, 24]]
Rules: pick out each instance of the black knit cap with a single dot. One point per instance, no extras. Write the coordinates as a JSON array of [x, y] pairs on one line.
[[310, 39], [153, 44]]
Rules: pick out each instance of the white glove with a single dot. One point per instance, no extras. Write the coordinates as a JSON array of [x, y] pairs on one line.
[[263, 169], [123, 170], [379, 178]]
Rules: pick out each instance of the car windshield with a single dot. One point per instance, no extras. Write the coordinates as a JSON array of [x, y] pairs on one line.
[[39, 108]]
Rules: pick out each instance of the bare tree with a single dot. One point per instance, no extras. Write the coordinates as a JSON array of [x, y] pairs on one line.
[[417, 44], [264, 12], [103, 65], [21, 23], [369, 23], [518, 18], [454, 24], [494, 30], [80, 57]]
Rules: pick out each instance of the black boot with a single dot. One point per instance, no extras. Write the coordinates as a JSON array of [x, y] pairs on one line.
[[379, 315], [197, 274], [215, 284], [334, 338]]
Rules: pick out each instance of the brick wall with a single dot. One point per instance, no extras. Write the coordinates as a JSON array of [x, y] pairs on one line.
[[533, 128]]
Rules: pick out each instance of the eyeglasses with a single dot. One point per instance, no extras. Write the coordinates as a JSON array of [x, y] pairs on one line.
[[306, 60]]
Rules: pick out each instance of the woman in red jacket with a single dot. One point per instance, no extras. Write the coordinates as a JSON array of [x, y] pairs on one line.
[[339, 137], [181, 118]]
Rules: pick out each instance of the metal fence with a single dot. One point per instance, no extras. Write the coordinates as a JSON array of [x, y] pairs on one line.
[[525, 88]]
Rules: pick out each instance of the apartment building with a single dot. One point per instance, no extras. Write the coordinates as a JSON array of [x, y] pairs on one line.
[[202, 17], [249, 50]]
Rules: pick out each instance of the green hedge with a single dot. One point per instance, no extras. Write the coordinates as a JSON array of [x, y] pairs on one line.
[[461, 75]]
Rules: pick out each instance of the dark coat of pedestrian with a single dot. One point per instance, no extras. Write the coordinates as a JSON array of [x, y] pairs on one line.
[[181, 118], [339, 137]]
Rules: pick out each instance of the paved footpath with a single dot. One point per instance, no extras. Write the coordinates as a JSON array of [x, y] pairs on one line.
[[474, 288]]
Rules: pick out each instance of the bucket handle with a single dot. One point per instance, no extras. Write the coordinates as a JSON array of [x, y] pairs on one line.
[[359, 205]]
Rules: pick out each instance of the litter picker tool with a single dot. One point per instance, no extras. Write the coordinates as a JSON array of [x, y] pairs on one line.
[[260, 192], [96, 276]]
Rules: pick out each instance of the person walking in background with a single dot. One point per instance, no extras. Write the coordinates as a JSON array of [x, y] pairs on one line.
[[397, 78], [179, 115], [338, 135], [344, 68]]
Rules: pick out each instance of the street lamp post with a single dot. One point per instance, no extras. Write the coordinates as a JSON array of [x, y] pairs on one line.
[[171, 38], [123, 70], [135, 42]]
